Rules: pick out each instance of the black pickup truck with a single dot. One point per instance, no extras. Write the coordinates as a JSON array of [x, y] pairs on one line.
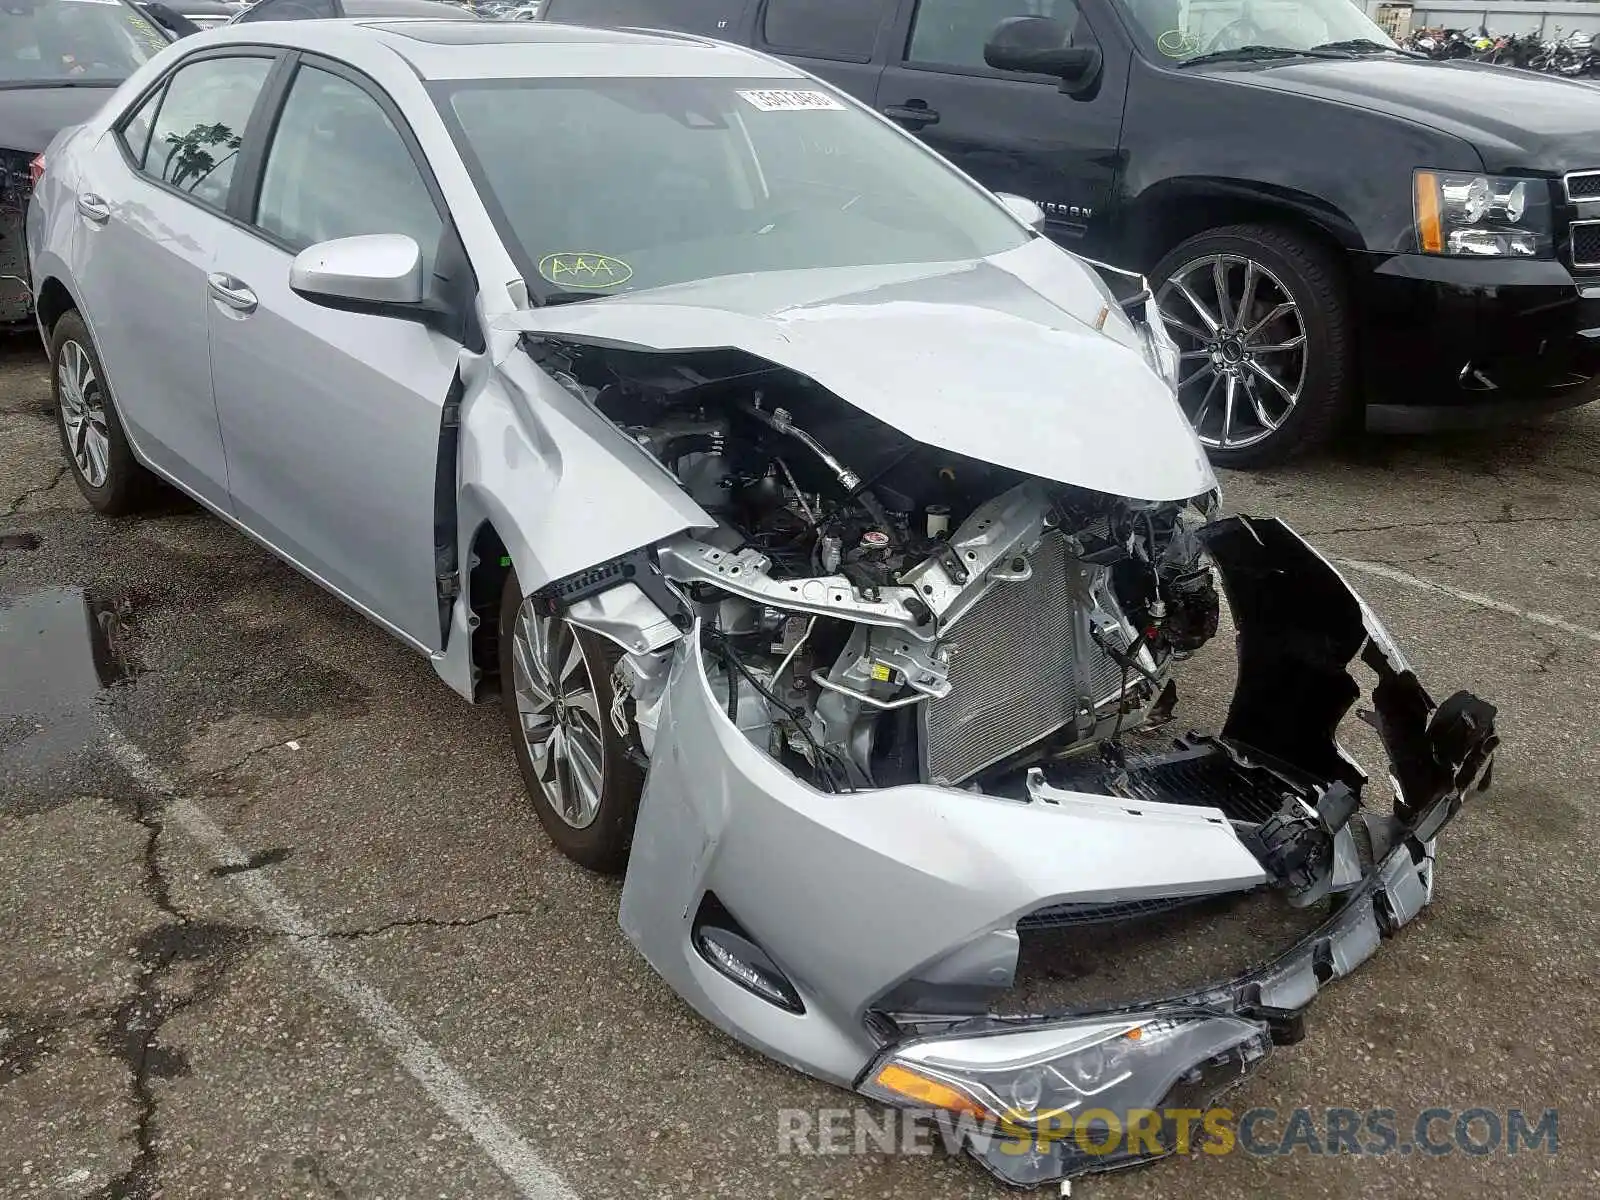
[[1334, 228]]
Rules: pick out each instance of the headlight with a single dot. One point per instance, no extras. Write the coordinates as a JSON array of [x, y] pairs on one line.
[[1492, 216], [1070, 1090]]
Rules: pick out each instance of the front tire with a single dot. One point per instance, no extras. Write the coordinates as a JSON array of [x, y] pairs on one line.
[[98, 454], [1262, 320], [555, 685]]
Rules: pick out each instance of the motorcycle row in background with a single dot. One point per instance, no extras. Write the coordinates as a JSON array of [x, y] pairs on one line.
[[1574, 54]]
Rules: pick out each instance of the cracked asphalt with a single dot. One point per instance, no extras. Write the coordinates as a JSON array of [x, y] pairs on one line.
[[161, 1036]]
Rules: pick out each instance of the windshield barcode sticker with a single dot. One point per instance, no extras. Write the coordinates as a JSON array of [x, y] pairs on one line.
[[778, 101]]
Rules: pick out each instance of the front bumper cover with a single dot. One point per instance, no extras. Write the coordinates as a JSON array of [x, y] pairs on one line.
[[862, 906]]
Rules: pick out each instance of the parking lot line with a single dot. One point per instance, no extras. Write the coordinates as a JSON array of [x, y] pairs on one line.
[[1405, 579], [469, 1110]]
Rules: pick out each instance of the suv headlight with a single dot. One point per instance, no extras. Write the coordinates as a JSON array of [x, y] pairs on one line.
[[1481, 216]]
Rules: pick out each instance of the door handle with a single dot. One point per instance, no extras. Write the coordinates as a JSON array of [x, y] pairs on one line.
[[94, 208], [913, 113], [232, 292]]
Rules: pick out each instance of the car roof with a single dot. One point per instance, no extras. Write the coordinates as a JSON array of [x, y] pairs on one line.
[[438, 50]]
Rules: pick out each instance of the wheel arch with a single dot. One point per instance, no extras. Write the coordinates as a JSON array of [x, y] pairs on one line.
[[1175, 210], [52, 301]]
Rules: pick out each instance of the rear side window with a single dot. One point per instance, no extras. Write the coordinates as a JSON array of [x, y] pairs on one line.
[[712, 18], [338, 167], [844, 29], [135, 131], [197, 132], [290, 10], [952, 33]]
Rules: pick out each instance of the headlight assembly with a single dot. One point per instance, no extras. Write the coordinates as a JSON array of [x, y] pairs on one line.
[[1069, 1090], [1481, 216]]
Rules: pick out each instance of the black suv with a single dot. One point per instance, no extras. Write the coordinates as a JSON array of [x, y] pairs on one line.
[[1330, 224]]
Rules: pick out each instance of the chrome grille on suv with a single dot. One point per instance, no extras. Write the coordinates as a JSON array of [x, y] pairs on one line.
[[1013, 672], [1586, 243], [1583, 186]]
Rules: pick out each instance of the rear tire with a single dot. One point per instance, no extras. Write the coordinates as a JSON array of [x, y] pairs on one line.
[[555, 686], [1261, 314], [97, 450]]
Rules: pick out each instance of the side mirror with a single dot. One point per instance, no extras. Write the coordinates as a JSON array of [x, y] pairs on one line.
[[1023, 209], [1039, 46], [376, 273]]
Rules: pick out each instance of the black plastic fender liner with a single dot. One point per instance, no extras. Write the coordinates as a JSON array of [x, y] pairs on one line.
[[1300, 626]]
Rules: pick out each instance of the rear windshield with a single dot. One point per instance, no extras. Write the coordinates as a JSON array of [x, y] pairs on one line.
[[65, 42]]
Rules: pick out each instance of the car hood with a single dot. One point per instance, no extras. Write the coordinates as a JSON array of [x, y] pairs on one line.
[[31, 116], [998, 359], [1515, 119]]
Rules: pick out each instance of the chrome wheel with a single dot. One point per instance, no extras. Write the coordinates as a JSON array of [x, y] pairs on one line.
[[560, 716], [83, 413], [1242, 344]]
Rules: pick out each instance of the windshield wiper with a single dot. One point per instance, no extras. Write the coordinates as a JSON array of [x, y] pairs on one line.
[[550, 299], [1254, 53], [30, 84], [1367, 46]]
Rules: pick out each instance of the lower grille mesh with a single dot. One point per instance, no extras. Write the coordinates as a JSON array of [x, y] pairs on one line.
[[1013, 676]]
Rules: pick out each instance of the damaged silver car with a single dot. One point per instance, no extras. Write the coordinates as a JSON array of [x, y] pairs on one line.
[[830, 538]]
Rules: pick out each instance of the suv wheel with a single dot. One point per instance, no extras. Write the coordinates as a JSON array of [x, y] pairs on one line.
[[1262, 323]]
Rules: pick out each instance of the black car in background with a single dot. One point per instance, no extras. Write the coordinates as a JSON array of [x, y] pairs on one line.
[[317, 10], [59, 60], [1334, 228]]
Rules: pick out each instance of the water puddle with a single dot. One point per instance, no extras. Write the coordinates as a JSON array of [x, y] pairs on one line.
[[60, 649]]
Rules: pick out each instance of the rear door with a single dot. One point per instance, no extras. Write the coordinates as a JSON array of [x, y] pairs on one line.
[[332, 419], [1013, 132], [836, 39], [151, 203]]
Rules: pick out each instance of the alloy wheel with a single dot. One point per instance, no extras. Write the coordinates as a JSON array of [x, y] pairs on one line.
[[83, 413], [559, 711], [1242, 348]]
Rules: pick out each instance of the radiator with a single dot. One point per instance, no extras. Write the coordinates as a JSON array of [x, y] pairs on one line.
[[1014, 671]]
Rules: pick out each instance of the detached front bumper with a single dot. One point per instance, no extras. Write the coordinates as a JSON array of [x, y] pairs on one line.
[[1453, 343], [862, 938]]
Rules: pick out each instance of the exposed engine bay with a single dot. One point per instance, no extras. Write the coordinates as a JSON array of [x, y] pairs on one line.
[[879, 612], [897, 708]]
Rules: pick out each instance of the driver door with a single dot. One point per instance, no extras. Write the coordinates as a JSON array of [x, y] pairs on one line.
[[1012, 132], [331, 420]]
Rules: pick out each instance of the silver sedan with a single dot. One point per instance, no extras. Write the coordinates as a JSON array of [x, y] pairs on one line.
[[828, 536]]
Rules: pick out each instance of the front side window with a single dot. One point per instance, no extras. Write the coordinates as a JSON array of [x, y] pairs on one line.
[[1185, 29], [605, 185], [953, 33], [845, 29], [338, 167], [73, 41], [199, 127]]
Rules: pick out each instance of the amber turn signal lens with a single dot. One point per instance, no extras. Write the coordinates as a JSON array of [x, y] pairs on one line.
[[1430, 232]]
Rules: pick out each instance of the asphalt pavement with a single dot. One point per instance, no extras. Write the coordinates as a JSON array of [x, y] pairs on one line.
[[276, 921]]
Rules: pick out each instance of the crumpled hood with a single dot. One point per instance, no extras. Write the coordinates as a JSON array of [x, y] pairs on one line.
[[997, 359], [1515, 119]]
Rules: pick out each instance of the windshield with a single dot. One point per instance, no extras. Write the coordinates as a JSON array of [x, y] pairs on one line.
[[608, 185], [63, 42], [1186, 29]]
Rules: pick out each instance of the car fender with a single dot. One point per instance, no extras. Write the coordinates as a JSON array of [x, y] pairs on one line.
[[563, 488]]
